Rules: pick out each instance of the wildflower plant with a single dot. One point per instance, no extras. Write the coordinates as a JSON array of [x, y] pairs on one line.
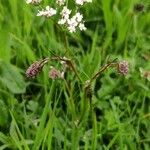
[[73, 95], [72, 20]]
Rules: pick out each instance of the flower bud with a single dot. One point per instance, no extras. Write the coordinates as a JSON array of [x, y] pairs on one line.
[[145, 74], [123, 67], [88, 90], [54, 73], [34, 69], [138, 7]]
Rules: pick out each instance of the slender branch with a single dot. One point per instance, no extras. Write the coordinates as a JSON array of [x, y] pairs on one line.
[[110, 64]]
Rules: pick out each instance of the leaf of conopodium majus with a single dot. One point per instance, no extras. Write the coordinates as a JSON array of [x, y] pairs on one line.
[[11, 78]]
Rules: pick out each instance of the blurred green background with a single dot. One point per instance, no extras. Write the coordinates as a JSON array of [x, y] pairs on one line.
[[45, 114]]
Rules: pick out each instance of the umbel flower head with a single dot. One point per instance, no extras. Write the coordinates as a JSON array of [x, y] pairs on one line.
[[71, 19], [72, 23]]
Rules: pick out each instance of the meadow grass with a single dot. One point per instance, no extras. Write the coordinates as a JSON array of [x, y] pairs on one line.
[[45, 114]]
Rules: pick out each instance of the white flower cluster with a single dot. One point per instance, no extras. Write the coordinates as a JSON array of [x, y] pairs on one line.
[[48, 12], [71, 21], [65, 15], [33, 1], [81, 2]]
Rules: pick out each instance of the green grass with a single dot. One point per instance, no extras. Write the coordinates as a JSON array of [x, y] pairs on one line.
[[41, 114]]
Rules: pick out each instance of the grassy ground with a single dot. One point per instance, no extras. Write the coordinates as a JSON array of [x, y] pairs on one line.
[[44, 114]]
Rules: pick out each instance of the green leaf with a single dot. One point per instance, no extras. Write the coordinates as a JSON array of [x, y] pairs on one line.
[[3, 114], [11, 78]]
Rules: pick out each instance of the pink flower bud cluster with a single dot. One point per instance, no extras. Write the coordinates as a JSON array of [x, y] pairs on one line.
[[54, 73], [37, 66], [33, 70], [123, 67]]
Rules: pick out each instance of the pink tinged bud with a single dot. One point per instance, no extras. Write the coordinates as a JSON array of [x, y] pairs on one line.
[[123, 67], [145, 74], [54, 73], [34, 69]]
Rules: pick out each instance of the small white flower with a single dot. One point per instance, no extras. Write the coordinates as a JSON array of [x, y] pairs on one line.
[[41, 13], [48, 12], [72, 29], [33, 1], [82, 27], [60, 2], [62, 21], [79, 2], [65, 12], [65, 15], [72, 24], [78, 17], [62, 74]]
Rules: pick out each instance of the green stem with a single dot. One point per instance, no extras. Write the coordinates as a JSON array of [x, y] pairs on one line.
[[39, 135]]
